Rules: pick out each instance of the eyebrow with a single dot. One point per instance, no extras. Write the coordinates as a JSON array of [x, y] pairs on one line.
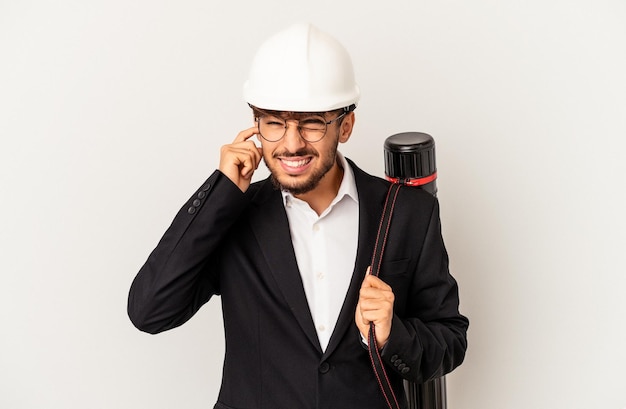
[[297, 115]]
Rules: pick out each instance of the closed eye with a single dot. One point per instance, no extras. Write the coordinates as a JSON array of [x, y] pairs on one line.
[[312, 123], [273, 122]]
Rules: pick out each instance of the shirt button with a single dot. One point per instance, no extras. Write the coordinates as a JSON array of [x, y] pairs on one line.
[[321, 328], [316, 227], [320, 275]]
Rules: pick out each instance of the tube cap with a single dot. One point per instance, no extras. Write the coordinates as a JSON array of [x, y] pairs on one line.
[[410, 155]]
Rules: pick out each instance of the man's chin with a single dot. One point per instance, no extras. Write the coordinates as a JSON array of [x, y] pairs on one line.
[[294, 186]]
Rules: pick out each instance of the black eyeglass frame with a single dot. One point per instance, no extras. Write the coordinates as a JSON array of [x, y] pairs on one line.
[[346, 111]]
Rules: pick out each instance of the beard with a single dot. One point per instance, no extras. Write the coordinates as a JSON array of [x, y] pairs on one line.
[[291, 184]]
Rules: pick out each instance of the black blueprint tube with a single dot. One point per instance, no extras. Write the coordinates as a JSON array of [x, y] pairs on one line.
[[410, 160]]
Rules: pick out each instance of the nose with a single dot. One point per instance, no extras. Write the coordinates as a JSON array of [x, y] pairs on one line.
[[292, 139]]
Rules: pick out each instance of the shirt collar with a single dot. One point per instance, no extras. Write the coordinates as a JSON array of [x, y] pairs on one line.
[[348, 184]]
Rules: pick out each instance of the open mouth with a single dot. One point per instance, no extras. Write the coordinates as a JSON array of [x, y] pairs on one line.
[[295, 165]]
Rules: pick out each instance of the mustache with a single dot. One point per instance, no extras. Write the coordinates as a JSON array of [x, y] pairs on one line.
[[300, 152]]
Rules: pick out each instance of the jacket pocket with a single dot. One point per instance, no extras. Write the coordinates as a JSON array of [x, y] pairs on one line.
[[393, 268]]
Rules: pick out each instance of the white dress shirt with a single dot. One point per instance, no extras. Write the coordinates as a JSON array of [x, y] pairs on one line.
[[325, 248]]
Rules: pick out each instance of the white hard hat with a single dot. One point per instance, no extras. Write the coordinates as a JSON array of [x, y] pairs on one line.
[[301, 69]]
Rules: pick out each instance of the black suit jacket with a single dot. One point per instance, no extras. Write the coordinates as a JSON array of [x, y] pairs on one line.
[[238, 245]]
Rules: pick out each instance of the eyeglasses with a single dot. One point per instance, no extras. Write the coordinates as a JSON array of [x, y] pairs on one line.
[[312, 128]]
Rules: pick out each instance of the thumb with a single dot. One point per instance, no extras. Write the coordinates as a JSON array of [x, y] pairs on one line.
[[365, 282]]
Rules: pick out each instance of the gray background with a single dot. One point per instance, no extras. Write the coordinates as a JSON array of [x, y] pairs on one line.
[[112, 113]]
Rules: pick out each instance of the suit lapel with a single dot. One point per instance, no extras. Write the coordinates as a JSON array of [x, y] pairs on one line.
[[271, 229], [371, 202]]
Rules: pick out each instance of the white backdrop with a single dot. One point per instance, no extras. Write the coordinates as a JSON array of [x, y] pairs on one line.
[[112, 113]]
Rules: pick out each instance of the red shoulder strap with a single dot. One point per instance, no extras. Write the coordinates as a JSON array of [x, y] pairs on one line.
[[377, 257]]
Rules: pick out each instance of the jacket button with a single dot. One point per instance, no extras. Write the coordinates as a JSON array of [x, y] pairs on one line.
[[324, 367], [191, 210], [206, 187], [201, 194], [394, 358], [197, 202], [401, 366], [405, 370]]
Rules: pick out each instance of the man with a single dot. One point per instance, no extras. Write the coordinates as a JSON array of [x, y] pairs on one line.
[[289, 255]]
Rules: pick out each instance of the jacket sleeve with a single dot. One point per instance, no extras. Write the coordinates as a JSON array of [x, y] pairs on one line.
[[177, 279], [429, 338]]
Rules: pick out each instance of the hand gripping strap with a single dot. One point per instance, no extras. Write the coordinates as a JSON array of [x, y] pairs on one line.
[[379, 247]]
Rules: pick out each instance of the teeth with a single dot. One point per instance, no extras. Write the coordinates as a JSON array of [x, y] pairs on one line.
[[295, 163]]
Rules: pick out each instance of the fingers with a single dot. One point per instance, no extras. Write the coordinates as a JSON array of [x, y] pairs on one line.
[[246, 134], [240, 159], [361, 323], [374, 282], [375, 305], [246, 155]]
